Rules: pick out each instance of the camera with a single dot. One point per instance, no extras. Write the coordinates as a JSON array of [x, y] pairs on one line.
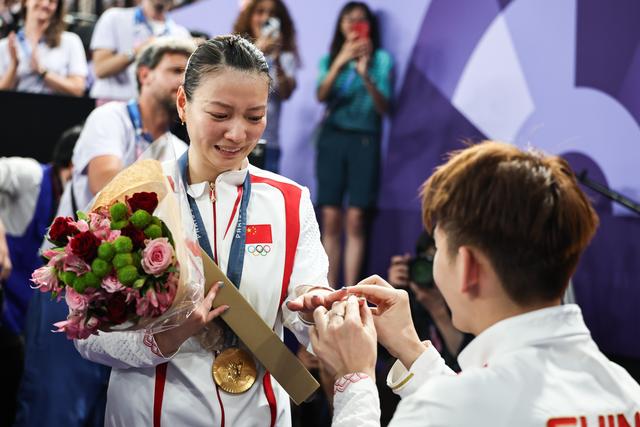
[[421, 271], [271, 28], [421, 266]]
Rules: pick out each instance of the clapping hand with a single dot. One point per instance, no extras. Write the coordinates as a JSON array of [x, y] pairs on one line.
[[12, 43]]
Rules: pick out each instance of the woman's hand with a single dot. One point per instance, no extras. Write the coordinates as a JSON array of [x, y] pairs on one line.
[[353, 47], [12, 43], [35, 61], [313, 298], [345, 338], [392, 318], [170, 340], [398, 272]]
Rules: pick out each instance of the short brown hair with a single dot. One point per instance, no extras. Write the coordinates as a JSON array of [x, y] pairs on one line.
[[152, 54], [523, 209]]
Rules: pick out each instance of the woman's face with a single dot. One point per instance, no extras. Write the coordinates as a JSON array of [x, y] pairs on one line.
[[264, 10], [226, 117], [41, 10], [350, 18]]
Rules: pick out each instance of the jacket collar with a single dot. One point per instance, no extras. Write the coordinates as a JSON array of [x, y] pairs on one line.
[[234, 178], [534, 328]]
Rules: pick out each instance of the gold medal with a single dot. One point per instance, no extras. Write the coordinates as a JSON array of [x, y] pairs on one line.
[[234, 370]]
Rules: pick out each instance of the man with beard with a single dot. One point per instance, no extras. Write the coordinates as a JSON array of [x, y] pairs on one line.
[[58, 386], [119, 36]]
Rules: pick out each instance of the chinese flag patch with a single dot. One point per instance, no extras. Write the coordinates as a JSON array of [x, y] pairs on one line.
[[259, 233]]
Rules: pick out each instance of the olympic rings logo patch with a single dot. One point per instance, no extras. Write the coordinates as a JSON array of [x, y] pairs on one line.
[[258, 250]]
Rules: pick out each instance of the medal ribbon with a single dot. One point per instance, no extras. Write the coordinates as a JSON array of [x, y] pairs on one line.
[[236, 255]]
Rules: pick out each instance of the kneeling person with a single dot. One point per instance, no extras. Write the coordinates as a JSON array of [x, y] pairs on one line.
[[509, 226]]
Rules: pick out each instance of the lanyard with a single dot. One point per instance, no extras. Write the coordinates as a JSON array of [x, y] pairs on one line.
[[236, 255], [142, 138], [24, 44], [139, 18]]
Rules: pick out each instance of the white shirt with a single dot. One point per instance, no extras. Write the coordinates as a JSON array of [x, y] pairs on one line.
[[117, 31], [66, 59], [20, 180], [523, 371], [190, 397], [108, 131]]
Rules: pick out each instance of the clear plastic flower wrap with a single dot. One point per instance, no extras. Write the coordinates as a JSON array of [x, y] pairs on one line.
[[132, 260]]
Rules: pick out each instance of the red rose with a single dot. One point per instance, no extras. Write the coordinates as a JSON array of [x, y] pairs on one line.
[[136, 236], [85, 245], [61, 229], [143, 200], [117, 308]]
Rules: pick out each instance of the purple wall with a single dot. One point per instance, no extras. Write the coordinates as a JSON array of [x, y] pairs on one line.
[[560, 75]]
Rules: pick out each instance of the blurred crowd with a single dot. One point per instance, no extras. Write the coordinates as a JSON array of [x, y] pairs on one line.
[[128, 56]]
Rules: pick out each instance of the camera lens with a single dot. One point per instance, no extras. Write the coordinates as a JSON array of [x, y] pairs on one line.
[[421, 271]]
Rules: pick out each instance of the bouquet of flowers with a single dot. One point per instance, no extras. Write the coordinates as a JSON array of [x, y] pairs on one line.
[[118, 266]]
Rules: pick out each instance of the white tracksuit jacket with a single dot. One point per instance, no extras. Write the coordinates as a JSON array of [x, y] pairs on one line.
[[147, 389], [539, 369]]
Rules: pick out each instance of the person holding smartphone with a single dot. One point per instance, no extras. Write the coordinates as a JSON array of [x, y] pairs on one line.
[[268, 24], [355, 84]]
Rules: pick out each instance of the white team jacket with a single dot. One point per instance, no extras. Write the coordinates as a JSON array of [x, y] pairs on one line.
[[144, 391], [539, 369]]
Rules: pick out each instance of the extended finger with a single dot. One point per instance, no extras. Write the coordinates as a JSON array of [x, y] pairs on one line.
[[331, 298], [367, 316], [374, 293], [212, 293], [352, 311], [320, 318], [337, 313], [217, 312], [296, 304], [375, 280]]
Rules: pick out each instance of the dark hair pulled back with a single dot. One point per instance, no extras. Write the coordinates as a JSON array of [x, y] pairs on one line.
[[219, 52]]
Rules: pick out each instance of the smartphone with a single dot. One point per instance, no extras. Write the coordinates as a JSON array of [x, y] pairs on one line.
[[362, 29], [271, 28]]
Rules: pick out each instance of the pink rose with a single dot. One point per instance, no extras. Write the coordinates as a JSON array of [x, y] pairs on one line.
[[77, 302], [157, 256], [111, 284], [46, 279]]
